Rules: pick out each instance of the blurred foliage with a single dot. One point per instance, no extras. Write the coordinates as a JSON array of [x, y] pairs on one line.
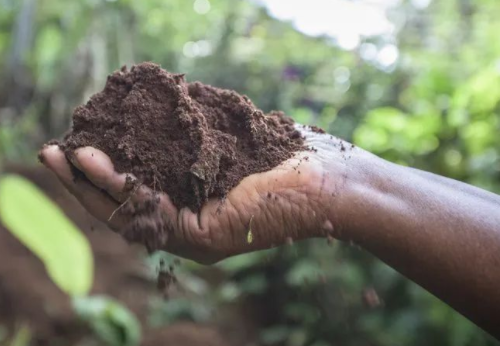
[[22, 337], [436, 108], [112, 323], [44, 229]]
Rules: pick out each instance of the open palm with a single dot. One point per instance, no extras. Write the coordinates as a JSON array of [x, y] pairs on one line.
[[292, 201]]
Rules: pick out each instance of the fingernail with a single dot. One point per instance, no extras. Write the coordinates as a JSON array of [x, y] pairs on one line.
[[41, 152]]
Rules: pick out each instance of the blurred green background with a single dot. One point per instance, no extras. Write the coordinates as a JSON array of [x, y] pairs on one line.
[[416, 82]]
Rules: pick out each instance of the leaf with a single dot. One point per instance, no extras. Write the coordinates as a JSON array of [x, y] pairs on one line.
[[243, 262], [22, 336], [48, 50], [303, 272], [250, 234], [42, 227], [274, 334], [111, 321]]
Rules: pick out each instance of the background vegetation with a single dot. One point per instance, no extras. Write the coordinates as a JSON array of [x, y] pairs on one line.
[[433, 104]]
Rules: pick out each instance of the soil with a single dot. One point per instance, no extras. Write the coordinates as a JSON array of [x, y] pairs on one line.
[[29, 298], [166, 278], [190, 140], [185, 334]]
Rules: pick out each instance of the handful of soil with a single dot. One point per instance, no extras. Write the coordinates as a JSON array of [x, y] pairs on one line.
[[189, 140]]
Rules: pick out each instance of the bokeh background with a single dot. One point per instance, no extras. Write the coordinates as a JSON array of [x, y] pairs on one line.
[[414, 81]]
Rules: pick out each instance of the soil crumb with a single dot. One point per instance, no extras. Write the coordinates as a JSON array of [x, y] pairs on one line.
[[190, 140], [166, 278]]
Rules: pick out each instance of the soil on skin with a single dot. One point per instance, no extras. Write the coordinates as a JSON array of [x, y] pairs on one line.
[[190, 140]]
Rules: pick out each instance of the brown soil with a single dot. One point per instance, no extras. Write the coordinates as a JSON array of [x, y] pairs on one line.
[[165, 279], [185, 334], [28, 296], [190, 140]]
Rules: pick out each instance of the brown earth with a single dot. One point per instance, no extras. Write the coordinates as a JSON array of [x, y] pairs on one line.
[[29, 297], [190, 140], [27, 294], [185, 334]]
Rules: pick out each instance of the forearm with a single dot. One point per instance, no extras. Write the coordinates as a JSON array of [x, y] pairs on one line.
[[442, 234]]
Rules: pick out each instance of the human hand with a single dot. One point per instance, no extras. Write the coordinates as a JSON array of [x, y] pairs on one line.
[[296, 200]]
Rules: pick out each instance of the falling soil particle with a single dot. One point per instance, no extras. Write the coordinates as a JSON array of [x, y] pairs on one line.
[[190, 140], [370, 298], [165, 279], [329, 239]]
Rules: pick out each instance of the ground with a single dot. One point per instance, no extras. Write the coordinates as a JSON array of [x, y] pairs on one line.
[[28, 297]]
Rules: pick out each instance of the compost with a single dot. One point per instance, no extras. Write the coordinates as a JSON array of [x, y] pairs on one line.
[[189, 140]]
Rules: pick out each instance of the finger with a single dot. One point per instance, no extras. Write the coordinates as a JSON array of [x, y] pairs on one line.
[[167, 206], [95, 201], [53, 158], [99, 169]]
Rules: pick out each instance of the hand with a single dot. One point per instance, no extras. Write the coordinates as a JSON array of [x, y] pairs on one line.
[[293, 201]]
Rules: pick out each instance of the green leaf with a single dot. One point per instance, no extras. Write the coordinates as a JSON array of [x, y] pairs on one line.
[[42, 227], [48, 51], [49, 44], [242, 262], [274, 334], [111, 321], [304, 272], [22, 336]]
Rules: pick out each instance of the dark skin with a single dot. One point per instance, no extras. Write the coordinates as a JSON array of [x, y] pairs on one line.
[[442, 234]]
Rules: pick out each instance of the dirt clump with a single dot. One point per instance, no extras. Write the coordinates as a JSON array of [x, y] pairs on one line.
[[190, 140], [166, 277]]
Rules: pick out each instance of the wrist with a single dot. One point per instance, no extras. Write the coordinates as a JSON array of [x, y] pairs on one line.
[[360, 186], [341, 186]]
